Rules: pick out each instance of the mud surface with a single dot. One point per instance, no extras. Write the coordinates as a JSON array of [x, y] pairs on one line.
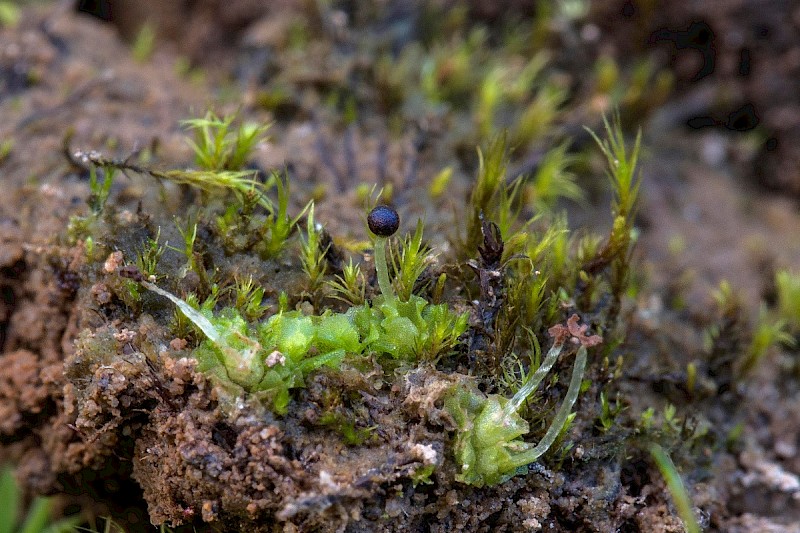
[[100, 400]]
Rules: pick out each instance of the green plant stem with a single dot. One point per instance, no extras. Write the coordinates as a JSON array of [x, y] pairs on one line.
[[550, 437], [527, 389], [676, 488], [382, 269], [198, 319], [240, 364]]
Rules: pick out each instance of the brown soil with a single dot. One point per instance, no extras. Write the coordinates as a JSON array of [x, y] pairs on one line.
[[99, 402]]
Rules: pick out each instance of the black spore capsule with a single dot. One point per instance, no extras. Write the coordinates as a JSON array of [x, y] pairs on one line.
[[383, 221]]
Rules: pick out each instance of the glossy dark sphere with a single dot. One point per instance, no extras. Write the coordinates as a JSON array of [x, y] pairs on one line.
[[383, 221]]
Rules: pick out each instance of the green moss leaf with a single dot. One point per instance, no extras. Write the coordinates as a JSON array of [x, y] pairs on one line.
[[292, 334], [336, 331]]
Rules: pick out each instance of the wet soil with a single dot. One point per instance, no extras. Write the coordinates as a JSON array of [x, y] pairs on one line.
[[100, 402]]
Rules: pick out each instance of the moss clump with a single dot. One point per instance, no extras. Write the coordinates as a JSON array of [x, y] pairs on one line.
[[488, 446], [268, 359], [264, 332]]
